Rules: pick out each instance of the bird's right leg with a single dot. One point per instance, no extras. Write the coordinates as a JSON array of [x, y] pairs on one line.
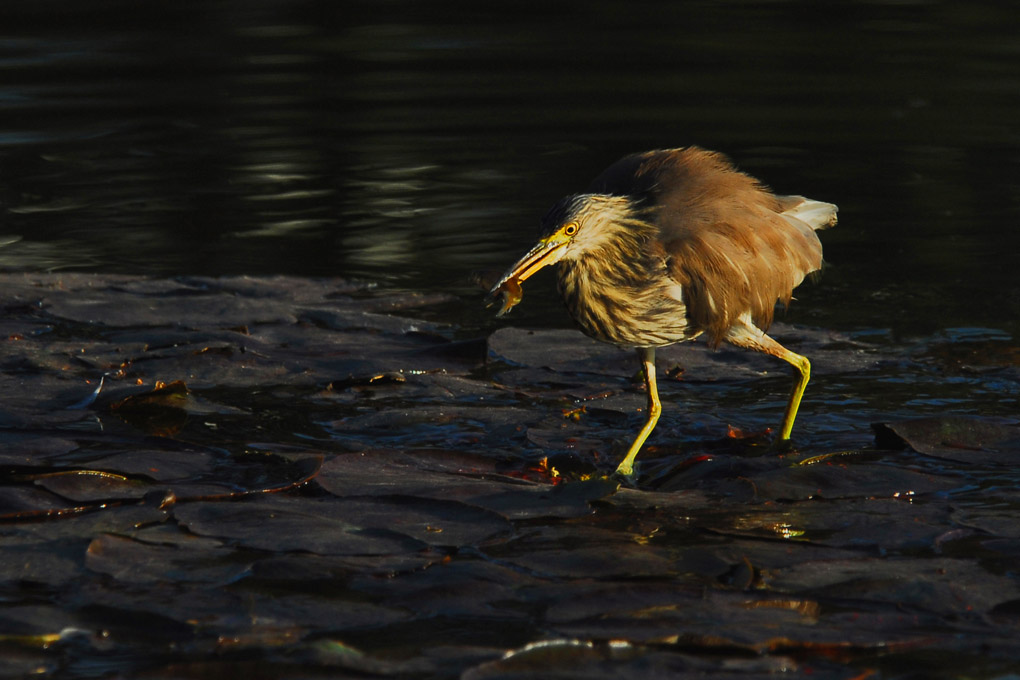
[[647, 356], [751, 337]]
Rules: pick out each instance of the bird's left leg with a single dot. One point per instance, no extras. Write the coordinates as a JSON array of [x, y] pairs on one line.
[[751, 337], [647, 356]]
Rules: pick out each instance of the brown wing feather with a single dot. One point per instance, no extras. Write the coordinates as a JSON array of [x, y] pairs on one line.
[[727, 244]]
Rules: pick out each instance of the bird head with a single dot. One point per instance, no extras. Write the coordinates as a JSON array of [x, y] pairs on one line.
[[574, 226]]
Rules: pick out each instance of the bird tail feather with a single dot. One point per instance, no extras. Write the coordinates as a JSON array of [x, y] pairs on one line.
[[815, 214]]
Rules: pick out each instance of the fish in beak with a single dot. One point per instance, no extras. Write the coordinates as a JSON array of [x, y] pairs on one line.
[[547, 251]]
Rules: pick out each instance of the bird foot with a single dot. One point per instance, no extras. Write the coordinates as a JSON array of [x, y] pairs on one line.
[[781, 446], [625, 476]]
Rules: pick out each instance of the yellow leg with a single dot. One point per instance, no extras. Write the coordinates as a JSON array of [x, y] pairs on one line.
[[803, 366], [647, 356], [751, 337]]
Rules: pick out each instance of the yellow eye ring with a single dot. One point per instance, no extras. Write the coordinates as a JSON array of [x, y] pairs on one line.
[[570, 229]]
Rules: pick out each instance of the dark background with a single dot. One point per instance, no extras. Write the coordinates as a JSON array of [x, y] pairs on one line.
[[413, 143]]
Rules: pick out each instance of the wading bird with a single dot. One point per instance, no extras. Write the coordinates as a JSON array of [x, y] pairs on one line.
[[668, 245]]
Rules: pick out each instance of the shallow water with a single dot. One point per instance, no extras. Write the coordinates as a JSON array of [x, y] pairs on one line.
[[411, 146]]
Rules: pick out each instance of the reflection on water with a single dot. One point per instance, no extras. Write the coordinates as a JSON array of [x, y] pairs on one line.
[[414, 146]]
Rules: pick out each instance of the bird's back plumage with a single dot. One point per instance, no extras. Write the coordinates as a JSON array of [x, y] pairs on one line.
[[733, 247]]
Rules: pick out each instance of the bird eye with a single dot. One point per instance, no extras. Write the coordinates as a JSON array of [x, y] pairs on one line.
[[570, 229]]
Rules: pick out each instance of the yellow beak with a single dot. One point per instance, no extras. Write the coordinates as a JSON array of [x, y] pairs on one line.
[[547, 251]]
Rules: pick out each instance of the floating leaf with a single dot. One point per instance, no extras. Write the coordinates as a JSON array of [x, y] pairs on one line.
[[385, 378], [471, 480], [90, 485], [172, 395], [159, 412], [962, 438], [308, 527], [132, 561]]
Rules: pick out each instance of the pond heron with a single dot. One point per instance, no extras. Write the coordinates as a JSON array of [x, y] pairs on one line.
[[668, 245]]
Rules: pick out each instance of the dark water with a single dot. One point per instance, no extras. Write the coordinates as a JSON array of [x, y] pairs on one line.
[[414, 143]]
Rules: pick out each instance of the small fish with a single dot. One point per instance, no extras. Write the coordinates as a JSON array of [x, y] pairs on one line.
[[510, 292], [548, 250]]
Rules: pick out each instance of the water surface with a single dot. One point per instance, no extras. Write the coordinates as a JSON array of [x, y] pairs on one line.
[[413, 145]]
